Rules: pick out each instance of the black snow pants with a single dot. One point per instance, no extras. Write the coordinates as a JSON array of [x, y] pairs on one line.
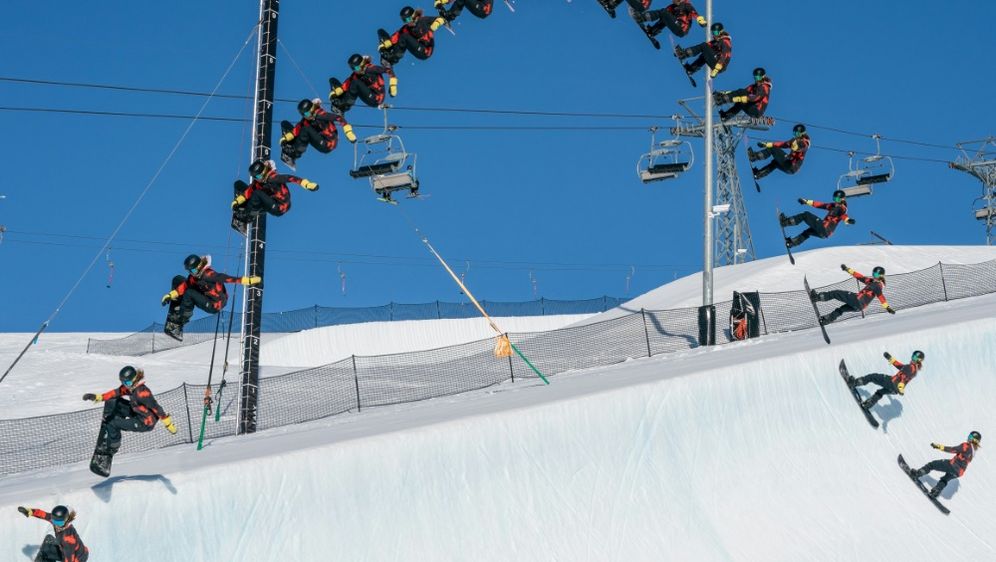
[[849, 299], [665, 19], [480, 8], [259, 203], [941, 465], [882, 380], [779, 160], [748, 108], [357, 89], [706, 57], [814, 223], [183, 309], [118, 417], [308, 135], [638, 5], [49, 551], [418, 49]]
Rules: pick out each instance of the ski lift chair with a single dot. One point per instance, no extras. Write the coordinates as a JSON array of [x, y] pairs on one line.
[[984, 213], [385, 163], [666, 160], [866, 172]]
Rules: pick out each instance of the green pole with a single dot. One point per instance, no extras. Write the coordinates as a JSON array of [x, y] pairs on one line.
[[200, 440], [531, 366]]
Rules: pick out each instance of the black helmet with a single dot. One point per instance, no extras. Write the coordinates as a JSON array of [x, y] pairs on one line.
[[192, 263], [759, 73], [839, 195], [918, 356], [407, 14], [305, 107], [716, 28], [879, 271], [355, 61], [127, 375], [799, 128], [258, 169], [975, 437], [59, 515]]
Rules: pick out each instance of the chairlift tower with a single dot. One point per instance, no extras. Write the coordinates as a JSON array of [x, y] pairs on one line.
[[732, 242], [982, 165]]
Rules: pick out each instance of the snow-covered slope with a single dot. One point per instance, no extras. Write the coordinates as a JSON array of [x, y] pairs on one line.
[[747, 452], [776, 274]]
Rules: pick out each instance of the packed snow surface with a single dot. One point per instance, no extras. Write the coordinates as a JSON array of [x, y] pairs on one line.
[[753, 451]]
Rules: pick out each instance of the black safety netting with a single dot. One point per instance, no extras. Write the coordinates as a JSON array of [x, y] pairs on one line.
[[363, 382]]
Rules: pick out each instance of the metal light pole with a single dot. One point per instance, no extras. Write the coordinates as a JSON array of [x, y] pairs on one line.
[[707, 312]]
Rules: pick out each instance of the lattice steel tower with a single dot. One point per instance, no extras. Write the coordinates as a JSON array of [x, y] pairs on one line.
[[982, 165]]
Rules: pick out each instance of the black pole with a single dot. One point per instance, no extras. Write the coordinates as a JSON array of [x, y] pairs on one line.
[[256, 230]]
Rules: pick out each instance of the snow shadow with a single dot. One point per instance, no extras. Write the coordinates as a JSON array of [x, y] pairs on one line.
[[888, 412], [31, 550], [105, 489], [693, 341], [948, 492]]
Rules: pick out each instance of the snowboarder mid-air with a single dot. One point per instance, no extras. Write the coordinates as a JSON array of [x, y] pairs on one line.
[[855, 302], [752, 100], [788, 163], [139, 414], [637, 5], [268, 192], [366, 83], [203, 287], [716, 53], [820, 228], [677, 17], [416, 35], [953, 468], [480, 8], [895, 384], [66, 545], [316, 128]]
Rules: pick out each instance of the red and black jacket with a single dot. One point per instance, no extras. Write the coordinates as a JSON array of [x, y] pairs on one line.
[[275, 185], [722, 46], [798, 148], [323, 122], [143, 403], [906, 373], [758, 93], [421, 30], [372, 76], [962, 456], [873, 289], [73, 549], [836, 213], [209, 283], [683, 13]]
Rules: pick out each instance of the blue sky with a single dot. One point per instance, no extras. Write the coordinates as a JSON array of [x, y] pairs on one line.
[[561, 207]]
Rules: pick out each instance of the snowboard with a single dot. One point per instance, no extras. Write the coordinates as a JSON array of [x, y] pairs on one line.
[[674, 50], [172, 328], [788, 250], [854, 392], [100, 463], [47, 545], [288, 160], [605, 5], [823, 329], [386, 200], [238, 222], [753, 170], [645, 29], [906, 468]]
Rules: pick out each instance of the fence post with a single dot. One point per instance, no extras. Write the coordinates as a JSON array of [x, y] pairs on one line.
[[542, 307], [316, 315], [153, 337], [646, 332], [511, 371], [186, 402], [438, 314], [944, 285], [356, 383], [764, 322]]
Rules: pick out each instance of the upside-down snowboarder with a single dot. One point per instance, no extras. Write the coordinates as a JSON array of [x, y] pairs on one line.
[[66, 545], [676, 17], [203, 287], [820, 228], [480, 8], [752, 100], [716, 53], [365, 83], [789, 163], [317, 128], [896, 384], [855, 302], [416, 35], [953, 468]]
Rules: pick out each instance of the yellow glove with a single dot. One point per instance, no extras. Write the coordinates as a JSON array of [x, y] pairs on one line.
[[335, 93], [701, 21], [309, 185], [93, 397], [937, 446], [238, 201], [254, 280], [901, 387], [769, 145], [170, 296], [739, 99], [715, 71], [393, 82], [288, 136], [441, 3], [347, 129], [437, 23], [168, 422], [387, 44]]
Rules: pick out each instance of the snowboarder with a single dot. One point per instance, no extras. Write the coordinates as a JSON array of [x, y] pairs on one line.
[[836, 213], [788, 163], [138, 414], [953, 468], [895, 384], [637, 5], [366, 83], [316, 127], [677, 17], [203, 287], [268, 192], [752, 100], [716, 53], [855, 302], [480, 8], [416, 35], [66, 545]]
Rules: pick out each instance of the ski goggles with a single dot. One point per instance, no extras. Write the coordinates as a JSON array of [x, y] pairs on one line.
[[128, 382], [255, 176], [717, 32], [877, 275], [798, 134], [58, 522], [838, 199]]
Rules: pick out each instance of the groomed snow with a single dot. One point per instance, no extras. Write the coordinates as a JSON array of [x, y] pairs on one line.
[[747, 452]]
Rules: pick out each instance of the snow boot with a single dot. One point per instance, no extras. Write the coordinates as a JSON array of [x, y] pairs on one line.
[[682, 54], [867, 404], [934, 493]]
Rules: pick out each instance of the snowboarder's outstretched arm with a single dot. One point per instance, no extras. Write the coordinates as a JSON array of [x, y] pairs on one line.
[[144, 396], [35, 512], [288, 178], [893, 361], [211, 276], [113, 393], [952, 450]]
